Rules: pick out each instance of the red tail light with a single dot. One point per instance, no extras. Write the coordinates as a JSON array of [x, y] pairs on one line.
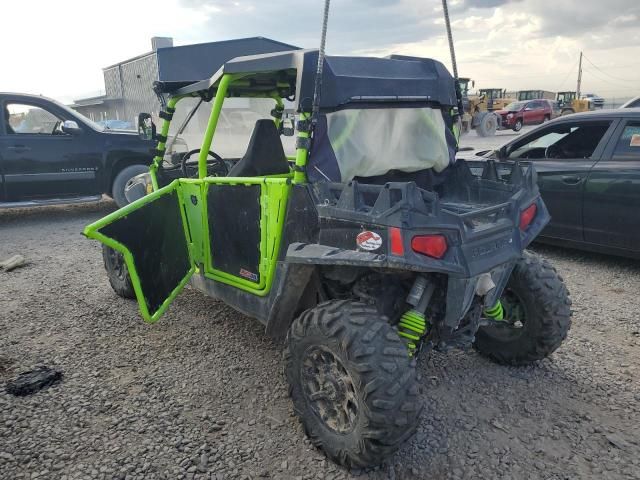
[[431, 245], [395, 234], [527, 216]]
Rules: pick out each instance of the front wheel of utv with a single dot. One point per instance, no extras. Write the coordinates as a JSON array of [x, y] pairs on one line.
[[352, 383], [537, 315], [117, 272]]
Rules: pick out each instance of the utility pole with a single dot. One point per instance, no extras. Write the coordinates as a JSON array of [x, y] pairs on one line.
[[445, 8], [579, 77], [454, 64]]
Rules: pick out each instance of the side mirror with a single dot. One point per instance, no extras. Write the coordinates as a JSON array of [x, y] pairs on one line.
[[146, 127], [502, 153], [71, 127]]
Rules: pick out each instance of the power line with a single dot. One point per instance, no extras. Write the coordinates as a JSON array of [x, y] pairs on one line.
[[626, 65], [608, 74], [604, 79]]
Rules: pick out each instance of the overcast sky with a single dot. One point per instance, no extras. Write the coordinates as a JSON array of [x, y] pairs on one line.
[[59, 48]]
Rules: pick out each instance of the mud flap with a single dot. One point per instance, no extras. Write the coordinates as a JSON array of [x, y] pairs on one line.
[[152, 234]]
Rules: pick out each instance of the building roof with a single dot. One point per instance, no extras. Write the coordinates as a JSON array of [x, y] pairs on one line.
[[199, 61], [187, 64], [97, 100]]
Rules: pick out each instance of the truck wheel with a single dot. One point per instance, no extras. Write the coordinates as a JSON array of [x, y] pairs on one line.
[[518, 125], [537, 315], [487, 125], [352, 383], [126, 174], [117, 272]]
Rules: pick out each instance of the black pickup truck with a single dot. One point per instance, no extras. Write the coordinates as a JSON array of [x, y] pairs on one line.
[[50, 154]]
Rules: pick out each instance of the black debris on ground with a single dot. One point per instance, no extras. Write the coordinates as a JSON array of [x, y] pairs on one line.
[[28, 383]]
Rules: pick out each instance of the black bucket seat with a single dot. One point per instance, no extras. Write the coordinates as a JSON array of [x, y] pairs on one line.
[[265, 155]]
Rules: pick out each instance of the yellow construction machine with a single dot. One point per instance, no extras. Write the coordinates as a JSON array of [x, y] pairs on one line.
[[478, 114], [568, 102]]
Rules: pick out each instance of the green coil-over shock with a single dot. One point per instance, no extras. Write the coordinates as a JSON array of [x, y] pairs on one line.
[[496, 312], [413, 324]]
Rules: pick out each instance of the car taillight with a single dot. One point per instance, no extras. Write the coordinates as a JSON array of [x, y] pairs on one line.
[[431, 245], [395, 234], [527, 216]]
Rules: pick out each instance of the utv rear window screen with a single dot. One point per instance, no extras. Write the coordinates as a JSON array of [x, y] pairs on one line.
[[370, 142], [154, 234]]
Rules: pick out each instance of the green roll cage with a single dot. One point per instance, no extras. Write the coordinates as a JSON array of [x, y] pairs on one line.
[[274, 190], [274, 194], [221, 92]]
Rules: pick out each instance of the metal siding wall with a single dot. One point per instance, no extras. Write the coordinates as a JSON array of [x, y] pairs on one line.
[[137, 92], [112, 83]]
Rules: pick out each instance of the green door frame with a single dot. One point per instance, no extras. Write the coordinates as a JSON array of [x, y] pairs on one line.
[[274, 195]]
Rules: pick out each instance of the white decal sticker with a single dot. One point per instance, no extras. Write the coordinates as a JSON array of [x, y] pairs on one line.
[[369, 240]]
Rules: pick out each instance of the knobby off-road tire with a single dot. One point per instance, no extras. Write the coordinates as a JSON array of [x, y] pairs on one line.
[[352, 383], [536, 292], [117, 272]]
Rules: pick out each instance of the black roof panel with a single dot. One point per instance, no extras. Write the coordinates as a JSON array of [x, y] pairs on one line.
[[191, 63], [348, 79]]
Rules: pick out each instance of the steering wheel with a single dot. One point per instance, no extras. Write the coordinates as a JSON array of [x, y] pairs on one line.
[[553, 151], [219, 166]]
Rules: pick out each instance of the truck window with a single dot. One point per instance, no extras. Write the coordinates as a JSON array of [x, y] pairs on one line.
[[29, 119]]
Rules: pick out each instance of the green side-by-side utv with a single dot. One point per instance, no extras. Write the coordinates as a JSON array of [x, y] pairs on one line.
[[370, 245]]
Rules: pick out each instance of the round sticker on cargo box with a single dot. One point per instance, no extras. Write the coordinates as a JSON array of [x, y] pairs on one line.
[[369, 240]]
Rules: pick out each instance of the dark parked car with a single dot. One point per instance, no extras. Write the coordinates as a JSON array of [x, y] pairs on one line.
[[51, 154], [633, 103], [588, 168], [517, 114]]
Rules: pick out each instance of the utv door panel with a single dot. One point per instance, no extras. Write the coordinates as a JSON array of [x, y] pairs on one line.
[[244, 222], [152, 235], [234, 215]]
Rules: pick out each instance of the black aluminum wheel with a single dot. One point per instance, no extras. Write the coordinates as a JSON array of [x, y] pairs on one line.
[[537, 315], [329, 389], [514, 319], [117, 272], [352, 382]]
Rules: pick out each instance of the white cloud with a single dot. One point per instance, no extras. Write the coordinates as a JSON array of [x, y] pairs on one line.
[[61, 51]]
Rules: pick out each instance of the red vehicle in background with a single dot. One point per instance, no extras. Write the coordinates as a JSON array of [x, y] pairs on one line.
[[517, 114]]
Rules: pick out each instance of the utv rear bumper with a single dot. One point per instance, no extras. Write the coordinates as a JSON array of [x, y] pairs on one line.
[[461, 284]]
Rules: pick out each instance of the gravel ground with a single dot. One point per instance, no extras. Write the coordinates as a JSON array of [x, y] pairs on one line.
[[478, 144], [201, 394]]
